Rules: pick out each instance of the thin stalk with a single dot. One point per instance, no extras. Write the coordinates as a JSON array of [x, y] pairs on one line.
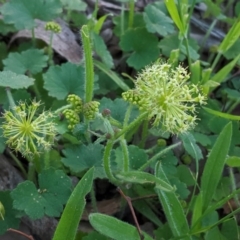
[[216, 60], [144, 134], [107, 163], [157, 156], [234, 187], [89, 78], [127, 115], [137, 121], [31, 172], [125, 152], [213, 24], [233, 106], [10, 98], [50, 51], [93, 199], [131, 13], [122, 20], [33, 37]]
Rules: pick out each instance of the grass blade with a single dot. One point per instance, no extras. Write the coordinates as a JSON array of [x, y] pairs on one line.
[[214, 165], [68, 224]]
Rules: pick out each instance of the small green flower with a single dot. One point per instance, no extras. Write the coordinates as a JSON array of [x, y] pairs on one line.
[[53, 26], [164, 93], [28, 132]]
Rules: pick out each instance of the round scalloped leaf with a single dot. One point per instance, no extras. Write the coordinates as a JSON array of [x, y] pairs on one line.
[[33, 60], [22, 13], [81, 158], [54, 191], [66, 79], [15, 81]]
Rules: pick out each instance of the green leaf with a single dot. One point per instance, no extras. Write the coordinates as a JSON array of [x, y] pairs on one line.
[[171, 42], [10, 220], [142, 178], [32, 60], [81, 158], [231, 37], [221, 114], [157, 21], [63, 80], [142, 52], [223, 72], [114, 228], [22, 13], [190, 146], [68, 224], [203, 139], [54, 190], [184, 175], [172, 208], [233, 51], [101, 49], [230, 229], [173, 11], [214, 165], [233, 161], [15, 81]]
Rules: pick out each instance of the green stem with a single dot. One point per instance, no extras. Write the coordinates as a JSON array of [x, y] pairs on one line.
[[133, 124], [131, 13], [216, 60], [107, 163], [144, 134], [124, 147], [203, 42], [122, 20], [93, 199], [59, 110], [89, 78], [233, 106], [50, 51], [10, 98], [157, 156], [31, 172], [33, 37], [234, 187], [19, 164], [127, 115]]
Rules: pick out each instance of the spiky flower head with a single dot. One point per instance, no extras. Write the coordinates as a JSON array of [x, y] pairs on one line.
[[164, 93], [53, 26], [28, 132]]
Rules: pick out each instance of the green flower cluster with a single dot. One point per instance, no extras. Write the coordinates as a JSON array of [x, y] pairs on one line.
[[90, 109], [53, 26], [75, 102], [72, 113], [28, 132], [72, 118], [164, 93]]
